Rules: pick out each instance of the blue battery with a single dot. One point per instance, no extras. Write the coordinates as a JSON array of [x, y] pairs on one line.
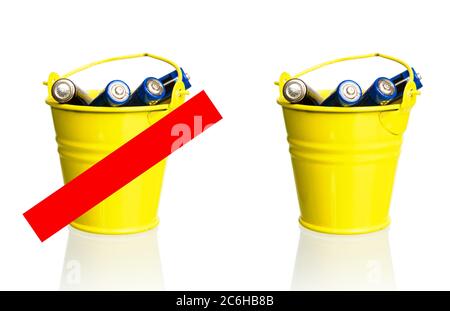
[[401, 79], [348, 93], [117, 93], [169, 82], [150, 92], [381, 92]]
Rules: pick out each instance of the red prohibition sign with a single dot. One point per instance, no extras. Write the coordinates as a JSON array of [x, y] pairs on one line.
[[137, 156]]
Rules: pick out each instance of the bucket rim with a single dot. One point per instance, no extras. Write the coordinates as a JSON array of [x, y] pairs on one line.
[[98, 109], [69, 107], [301, 107], [391, 107]]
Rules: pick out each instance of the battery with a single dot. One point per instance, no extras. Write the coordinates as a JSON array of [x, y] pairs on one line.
[[116, 93], [150, 92], [381, 92], [348, 93], [64, 91], [169, 82], [296, 91], [401, 79]]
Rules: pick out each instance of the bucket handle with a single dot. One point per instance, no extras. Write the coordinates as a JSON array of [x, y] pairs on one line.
[[179, 90], [393, 121]]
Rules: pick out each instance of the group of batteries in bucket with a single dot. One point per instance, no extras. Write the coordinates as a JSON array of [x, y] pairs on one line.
[[348, 93], [117, 93]]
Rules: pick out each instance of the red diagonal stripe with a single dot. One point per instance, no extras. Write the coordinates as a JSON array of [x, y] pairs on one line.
[[127, 162]]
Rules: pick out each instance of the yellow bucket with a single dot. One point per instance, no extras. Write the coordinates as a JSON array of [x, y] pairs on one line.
[[344, 158], [85, 135]]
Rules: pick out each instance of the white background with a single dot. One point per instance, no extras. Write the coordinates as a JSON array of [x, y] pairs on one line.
[[228, 208]]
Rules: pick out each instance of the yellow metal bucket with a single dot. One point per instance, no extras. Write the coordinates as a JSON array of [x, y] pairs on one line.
[[85, 135], [344, 158]]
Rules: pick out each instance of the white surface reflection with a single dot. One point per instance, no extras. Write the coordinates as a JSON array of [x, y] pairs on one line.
[[112, 262], [338, 262]]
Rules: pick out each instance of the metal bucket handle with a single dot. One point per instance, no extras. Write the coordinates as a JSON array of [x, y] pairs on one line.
[[394, 121], [179, 90]]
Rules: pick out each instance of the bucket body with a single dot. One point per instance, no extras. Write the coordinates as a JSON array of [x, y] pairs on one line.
[[344, 161], [86, 135]]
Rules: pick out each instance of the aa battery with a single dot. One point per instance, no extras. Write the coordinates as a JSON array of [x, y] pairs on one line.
[[381, 92], [401, 79], [296, 91], [169, 82], [150, 92], [64, 91], [116, 93], [348, 93]]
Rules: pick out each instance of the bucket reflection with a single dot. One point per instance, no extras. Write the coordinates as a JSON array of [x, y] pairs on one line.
[[338, 262], [112, 262]]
